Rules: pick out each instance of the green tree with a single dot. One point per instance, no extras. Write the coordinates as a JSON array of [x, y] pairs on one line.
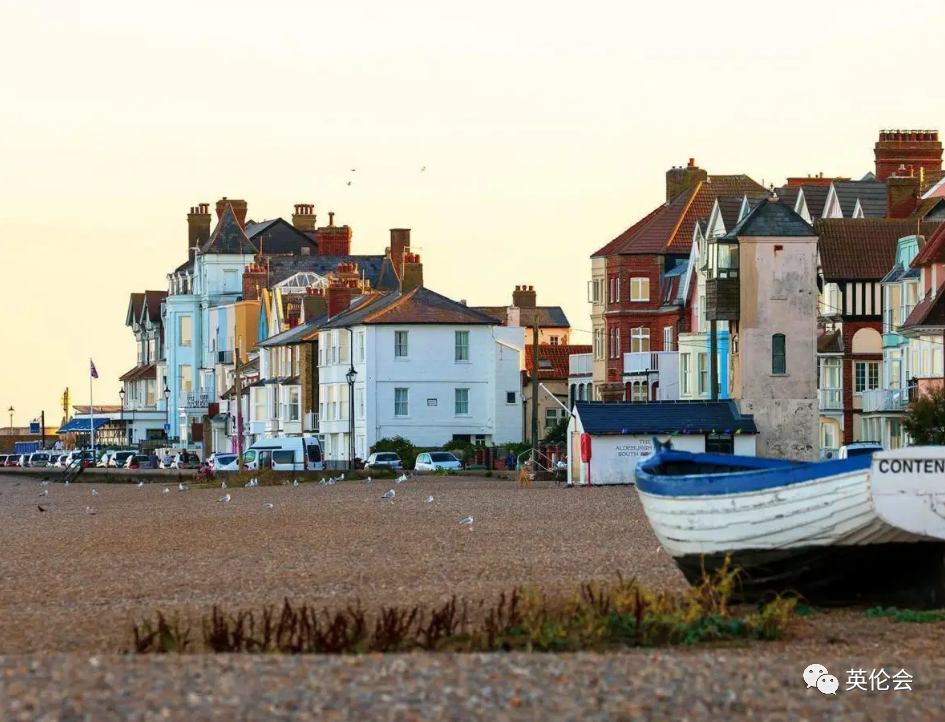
[[401, 446], [557, 433], [925, 419]]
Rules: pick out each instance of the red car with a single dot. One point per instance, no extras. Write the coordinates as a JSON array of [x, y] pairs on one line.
[[13, 460]]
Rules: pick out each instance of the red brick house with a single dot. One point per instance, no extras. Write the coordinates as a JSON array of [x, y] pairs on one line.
[[642, 310]]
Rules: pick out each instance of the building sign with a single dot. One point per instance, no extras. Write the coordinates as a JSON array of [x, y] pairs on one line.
[[635, 449], [431, 402], [34, 427]]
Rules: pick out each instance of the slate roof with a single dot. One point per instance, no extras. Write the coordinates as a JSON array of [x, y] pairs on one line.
[[898, 273], [816, 199], [548, 316], [387, 279], [228, 236], [152, 303], [417, 306], [770, 219], [862, 248], [934, 249], [558, 356], [729, 208], [135, 303], [788, 196], [294, 335], [930, 312], [278, 236], [671, 285], [283, 267], [831, 342], [872, 197], [663, 417]]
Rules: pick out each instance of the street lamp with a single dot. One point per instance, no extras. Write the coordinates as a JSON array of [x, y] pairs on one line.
[[121, 395], [11, 410], [351, 376], [167, 418]]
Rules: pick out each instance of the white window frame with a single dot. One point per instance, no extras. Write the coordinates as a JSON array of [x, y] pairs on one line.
[[867, 367], [188, 338], [685, 367], [702, 373], [401, 344], [639, 289], [404, 401], [461, 401], [668, 339], [294, 397], [637, 336], [461, 346]]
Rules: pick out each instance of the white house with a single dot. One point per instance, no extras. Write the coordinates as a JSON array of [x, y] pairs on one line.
[[620, 435], [423, 367]]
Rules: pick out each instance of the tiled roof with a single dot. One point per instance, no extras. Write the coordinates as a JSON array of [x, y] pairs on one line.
[[788, 196], [622, 239], [152, 303], [933, 251], [663, 417], [930, 312], [770, 219], [548, 316], [862, 248], [831, 342], [872, 197], [228, 236], [134, 308], [734, 185], [557, 356], [729, 208], [417, 306], [294, 335], [816, 199]]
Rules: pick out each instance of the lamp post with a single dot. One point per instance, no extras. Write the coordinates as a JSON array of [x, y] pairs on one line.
[[351, 376], [11, 410], [121, 395], [167, 417]]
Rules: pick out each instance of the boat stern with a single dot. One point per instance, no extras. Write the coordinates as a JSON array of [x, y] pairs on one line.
[[907, 489]]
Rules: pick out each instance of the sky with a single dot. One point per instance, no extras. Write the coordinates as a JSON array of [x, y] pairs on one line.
[[546, 130]]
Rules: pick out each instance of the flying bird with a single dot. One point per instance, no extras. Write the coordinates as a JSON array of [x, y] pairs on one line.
[[423, 169], [224, 499], [267, 505], [468, 520], [349, 182], [388, 494], [428, 500]]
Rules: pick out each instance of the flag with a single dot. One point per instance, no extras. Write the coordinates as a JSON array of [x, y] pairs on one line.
[[92, 369]]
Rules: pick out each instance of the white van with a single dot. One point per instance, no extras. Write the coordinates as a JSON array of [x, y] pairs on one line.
[[285, 453]]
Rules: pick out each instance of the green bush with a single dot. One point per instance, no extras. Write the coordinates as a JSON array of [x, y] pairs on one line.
[[925, 419], [400, 446], [466, 449]]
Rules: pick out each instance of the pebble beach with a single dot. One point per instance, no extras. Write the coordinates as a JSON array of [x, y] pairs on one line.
[[72, 582]]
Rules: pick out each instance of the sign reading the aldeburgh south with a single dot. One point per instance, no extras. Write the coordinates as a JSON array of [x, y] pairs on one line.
[[912, 466], [639, 449]]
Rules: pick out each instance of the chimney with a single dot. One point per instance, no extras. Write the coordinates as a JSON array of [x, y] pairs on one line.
[[514, 317], [399, 244], [896, 148], [239, 210], [524, 297], [255, 277], [304, 217], [198, 228], [347, 271], [339, 297], [681, 179], [333, 240], [314, 304], [902, 194], [413, 273]]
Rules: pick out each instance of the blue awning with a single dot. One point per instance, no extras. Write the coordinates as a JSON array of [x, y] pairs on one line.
[[80, 425]]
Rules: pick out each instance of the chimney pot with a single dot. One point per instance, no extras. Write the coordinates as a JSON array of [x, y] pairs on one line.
[[331, 218], [692, 162]]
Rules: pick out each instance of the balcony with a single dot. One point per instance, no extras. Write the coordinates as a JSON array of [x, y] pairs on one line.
[[659, 371], [722, 298], [273, 426], [580, 364], [197, 399], [830, 399], [649, 362], [885, 400], [311, 421]]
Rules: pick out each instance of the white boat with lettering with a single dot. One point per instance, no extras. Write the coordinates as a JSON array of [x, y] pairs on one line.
[[835, 532]]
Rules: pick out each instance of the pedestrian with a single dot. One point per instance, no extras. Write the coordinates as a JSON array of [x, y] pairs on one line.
[[510, 462]]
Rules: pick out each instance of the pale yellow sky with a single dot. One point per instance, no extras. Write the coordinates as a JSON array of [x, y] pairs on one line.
[[546, 129]]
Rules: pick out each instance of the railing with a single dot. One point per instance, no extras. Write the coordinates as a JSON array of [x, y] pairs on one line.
[[830, 399], [649, 361], [580, 364], [197, 399], [886, 400], [311, 421]]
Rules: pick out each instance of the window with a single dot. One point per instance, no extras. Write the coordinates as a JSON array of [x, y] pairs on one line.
[[186, 379], [639, 340], [668, 338], [719, 444], [639, 289], [828, 435], [462, 402], [359, 402], [283, 456], [400, 344], [866, 377], [702, 320], [361, 339], [150, 392], [510, 397], [599, 343], [544, 364], [551, 418], [259, 404], [294, 403], [462, 346], [640, 392], [314, 453], [151, 358], [684, 374], [594, 291], [553, 340], [830, 300], [185, 337], [894, 380], [778, 355], [401, 400], [891, 313], [912, 298], [703, 361]]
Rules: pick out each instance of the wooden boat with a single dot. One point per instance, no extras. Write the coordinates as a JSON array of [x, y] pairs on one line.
[[834, 532]]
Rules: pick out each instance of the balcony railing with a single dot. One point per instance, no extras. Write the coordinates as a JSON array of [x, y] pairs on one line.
[[311, 421], [580, 364], [197, 399], [886, 400], [649, 361], [830, 399]]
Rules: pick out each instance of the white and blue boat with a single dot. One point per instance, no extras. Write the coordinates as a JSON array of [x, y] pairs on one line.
[[834, 532]]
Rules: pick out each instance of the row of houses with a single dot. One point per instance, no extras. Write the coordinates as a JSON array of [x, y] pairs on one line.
[[276, 328], [823, 296]]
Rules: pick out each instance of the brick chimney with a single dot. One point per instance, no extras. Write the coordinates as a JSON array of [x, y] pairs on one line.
[[680, 179], [340, 294], [255, 277], [304, 217], [896, 148], [399, 245], [239, 210], [902, 193], [333, 240], [413, 273], [524, 297], [314, 304], [198, 227], [348, 271]]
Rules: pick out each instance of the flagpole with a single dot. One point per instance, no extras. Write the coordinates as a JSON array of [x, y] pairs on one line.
[[91, 411]]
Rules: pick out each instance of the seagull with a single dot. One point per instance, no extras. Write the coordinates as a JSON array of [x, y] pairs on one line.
[[267, 505], [223, 485], [67, 482], [40, 507], [423, 169], [295, 483], [44, 492], [44, 482], [340, 478], [140, 484], [181, 487], [388, 494], [94, 493], [367, 481], [224, 499], [428, 500], [90, 511], [349, 182], [468, 520], [322, 482], [166, 491], [401, 479], [331, 482]]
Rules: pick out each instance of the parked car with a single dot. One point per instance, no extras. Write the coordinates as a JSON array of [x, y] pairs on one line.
[[288, 453], [119, 459], [12, 460], [437, 461], [384, 460], [39, 459], [3, 459], [860, 448], [225, 462], [138, 461], [24, 460]]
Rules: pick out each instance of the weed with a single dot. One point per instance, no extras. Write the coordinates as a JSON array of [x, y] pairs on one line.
[[907, 615], [488, 475]]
